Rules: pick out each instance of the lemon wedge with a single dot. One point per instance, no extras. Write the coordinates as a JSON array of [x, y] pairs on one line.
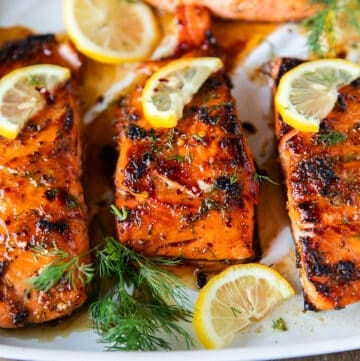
[[171, 87], [111, 31], [235, 298], [21, 94], [308, 92]]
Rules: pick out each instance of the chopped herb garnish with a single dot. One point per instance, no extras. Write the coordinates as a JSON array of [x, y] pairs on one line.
[[179, 158], [71, 202], [233, 178], [121, 214], [345, 220], [228, 184], [189, 157], [332, 137], [235, 311], [153, 139], [210, 96], [35, 81], [279, 324], [51, 193], [206, 205], [170, 138], [199, 138]]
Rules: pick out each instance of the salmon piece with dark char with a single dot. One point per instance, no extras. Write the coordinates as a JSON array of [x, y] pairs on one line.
[[41, 197], [189, 191], [322, 177]]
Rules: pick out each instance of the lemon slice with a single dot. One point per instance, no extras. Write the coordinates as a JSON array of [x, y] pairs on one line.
[[171, 87], [234, 299], [21, 94], [111, 31], [307, 93]]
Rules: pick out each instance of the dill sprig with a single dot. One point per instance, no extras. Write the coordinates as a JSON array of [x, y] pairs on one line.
[[143, 300], [64, 268], [261, 177], [325, 25]]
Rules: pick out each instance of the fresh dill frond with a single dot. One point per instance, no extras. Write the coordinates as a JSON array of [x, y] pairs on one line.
[[143, 300], [138, 301], [260, 178], [64, 268], [326, 24]]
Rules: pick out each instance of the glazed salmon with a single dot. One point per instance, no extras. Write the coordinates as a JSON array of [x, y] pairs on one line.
[[41, 197], [251, 10], [189, 191], [322, 177]]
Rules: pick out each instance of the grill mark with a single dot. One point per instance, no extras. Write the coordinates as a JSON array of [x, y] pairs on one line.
[[25, 49], [19, 317], [68, 119], [135, 132], [286, 65], [309, 212], [318, 172], [47, 226]]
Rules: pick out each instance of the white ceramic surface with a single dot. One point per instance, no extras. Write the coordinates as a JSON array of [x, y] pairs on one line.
[[308, 333]]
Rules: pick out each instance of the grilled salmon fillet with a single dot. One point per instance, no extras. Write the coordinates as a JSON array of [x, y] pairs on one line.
[[322, 177], [189, 191], [41, 197], [251, 10]]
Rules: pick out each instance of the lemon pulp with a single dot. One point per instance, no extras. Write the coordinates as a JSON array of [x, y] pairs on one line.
[[20, 94], [307, 93], [111, 31], [234, 299], [171, 87]]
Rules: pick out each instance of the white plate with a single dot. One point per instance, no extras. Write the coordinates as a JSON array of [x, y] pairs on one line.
[[308, 333]]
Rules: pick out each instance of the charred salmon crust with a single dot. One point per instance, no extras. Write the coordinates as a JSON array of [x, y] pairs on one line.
[[189, 191], [41, 197], [322, 178]]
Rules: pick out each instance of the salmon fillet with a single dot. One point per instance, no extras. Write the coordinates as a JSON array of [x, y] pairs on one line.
[[189, 191], [322, 177], [252, 10], [41, 197]]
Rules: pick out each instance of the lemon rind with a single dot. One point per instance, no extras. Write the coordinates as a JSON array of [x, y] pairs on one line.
[[9, 129], [287, 111], [202, 321], [96, 52], [170, 118]]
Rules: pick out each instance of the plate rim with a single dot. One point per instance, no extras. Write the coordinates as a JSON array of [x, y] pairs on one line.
[[249, 353]]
